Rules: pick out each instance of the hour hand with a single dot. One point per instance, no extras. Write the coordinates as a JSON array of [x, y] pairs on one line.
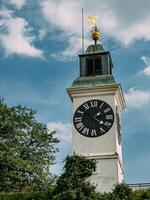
[[100, 121]]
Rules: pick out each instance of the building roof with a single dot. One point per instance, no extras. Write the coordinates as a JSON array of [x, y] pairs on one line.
[[93, 80], [94, 48]]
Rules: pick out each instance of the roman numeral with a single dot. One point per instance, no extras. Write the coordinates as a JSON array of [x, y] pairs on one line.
[[102, 130], [93, 132], [79, 126], [101, 105], [85, 131], [78, 111], [93, 103], [86, 106], [107, 110], [108, 124], [109, 117], [78, 119]]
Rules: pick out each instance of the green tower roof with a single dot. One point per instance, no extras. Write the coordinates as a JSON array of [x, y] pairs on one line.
[[93, 80], [95, 48]]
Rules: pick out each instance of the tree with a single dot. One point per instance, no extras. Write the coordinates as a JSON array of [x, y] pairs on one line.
[[73, 184], [122, 192], [141, 194], [27, 149]]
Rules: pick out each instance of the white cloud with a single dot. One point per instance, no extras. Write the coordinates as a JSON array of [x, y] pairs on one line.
[[137, 98], [74, 46], [18, 3], [62, 15], [63, 130], [5, 13], [17, 37], [63, 133], [115, 18], [146, 60], [135, 31], [118, 21]]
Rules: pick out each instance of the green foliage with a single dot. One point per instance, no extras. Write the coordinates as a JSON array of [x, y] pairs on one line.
[[85, 192], [78, 167], [72, 184], [141, 194], [122, 192], [26, 150], [24, 196]]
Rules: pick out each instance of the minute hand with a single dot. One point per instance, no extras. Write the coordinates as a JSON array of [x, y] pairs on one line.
[[94, 117]]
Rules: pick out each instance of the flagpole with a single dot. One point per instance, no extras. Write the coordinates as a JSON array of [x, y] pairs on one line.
[[82, 31]]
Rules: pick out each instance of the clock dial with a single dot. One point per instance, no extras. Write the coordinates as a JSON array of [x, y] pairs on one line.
[[93, 118]]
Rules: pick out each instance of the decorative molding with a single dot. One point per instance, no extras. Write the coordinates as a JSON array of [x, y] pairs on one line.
[[106, 156], [109, 89]]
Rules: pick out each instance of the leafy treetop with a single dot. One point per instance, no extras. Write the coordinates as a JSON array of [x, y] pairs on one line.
[[27, 149]]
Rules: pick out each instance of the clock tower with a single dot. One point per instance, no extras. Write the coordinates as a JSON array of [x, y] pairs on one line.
[[97, 103]]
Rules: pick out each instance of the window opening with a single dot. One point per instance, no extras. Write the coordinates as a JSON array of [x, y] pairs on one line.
[[90, 65], [94, 66], [98, 66]]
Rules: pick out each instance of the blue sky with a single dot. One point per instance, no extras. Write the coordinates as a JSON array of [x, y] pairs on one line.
[[39, 44]]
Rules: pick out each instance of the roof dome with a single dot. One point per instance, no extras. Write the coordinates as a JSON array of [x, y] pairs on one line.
[[93, 48]]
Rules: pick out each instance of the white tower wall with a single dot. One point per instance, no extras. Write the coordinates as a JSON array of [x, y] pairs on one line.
[[104, 149]]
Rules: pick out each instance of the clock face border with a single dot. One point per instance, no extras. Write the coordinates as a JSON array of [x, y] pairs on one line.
[[84, 111]]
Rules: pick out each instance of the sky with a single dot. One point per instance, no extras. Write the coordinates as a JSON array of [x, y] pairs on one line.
[[39, 45]]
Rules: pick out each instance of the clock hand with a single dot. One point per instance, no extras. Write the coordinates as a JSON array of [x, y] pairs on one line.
[[100, 121], [98, 114], [94, 117]]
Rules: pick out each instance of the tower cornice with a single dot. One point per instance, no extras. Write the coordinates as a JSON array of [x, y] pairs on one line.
[[107, 89]]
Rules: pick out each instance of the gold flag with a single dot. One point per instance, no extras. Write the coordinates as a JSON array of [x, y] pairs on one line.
[[92, 19]]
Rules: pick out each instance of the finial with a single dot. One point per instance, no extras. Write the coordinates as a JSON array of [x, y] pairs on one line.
[[95, 32]]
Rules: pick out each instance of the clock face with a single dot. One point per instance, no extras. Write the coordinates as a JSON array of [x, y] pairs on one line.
[[93, 118]]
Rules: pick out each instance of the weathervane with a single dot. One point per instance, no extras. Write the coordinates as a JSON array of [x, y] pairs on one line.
[[95, 32]]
